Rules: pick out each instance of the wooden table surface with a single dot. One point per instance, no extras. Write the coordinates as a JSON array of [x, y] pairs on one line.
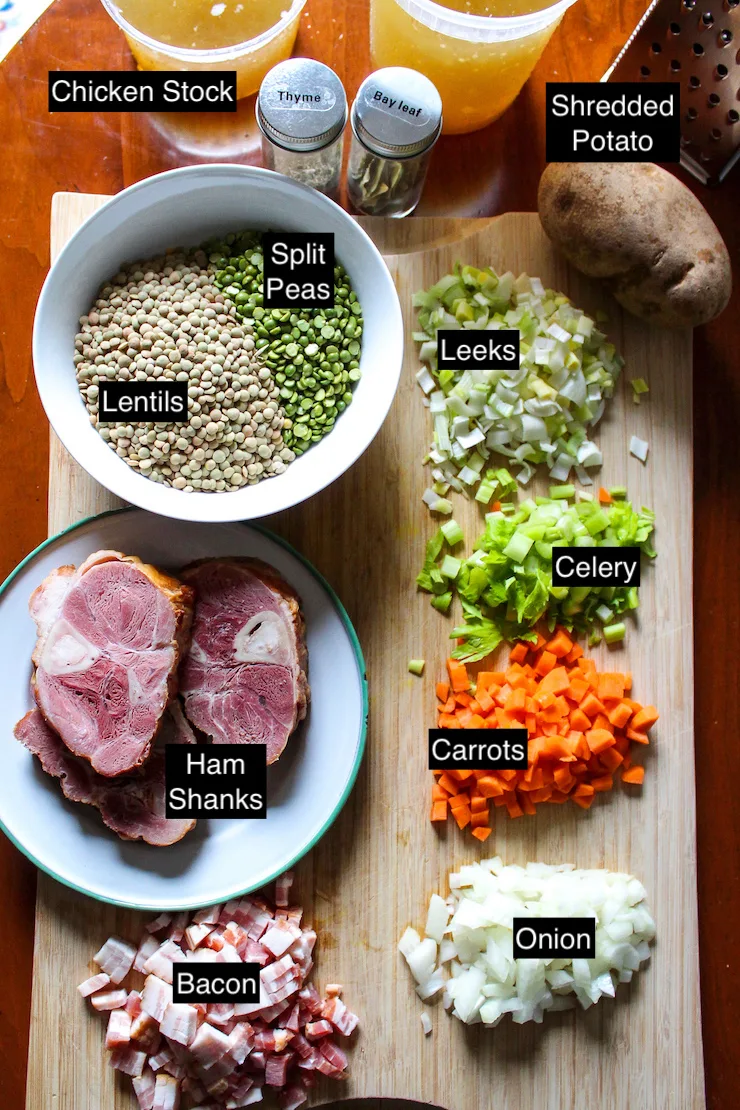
[[493, 171]]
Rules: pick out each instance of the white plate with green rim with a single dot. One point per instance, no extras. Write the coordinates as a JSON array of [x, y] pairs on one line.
[[220, 859]]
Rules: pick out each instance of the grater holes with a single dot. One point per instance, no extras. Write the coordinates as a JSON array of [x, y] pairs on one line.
[[721, 72], [675, 28], [689, 5], [733, 116], [694, 82], [713, 100], [691, 115], [644, 71], [675, 65], [656, 48], [698, 49], [715, 134], [725, 37], [707, 19]]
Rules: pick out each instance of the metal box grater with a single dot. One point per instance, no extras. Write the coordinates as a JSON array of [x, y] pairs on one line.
[[697, 44]]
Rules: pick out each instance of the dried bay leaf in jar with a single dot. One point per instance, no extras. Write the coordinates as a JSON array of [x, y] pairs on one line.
[[396, 120], [302, 113]]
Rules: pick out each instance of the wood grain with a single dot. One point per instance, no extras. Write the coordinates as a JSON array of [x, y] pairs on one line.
[[475, 175], [373, 872]]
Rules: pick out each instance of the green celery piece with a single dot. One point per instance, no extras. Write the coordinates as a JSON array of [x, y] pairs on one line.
[[485, 492], [450, 567], [416, 666], [562, 493], [518, 547], [434, 547], [442, 601], [452, 532], [613, 633]]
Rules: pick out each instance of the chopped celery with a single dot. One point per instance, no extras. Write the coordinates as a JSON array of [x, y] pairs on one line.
[[416, 666], [613, 633], [442, 601], [639, 385], [505, 585], [452, 532], [450, 567], [618, 493], [562, 492]]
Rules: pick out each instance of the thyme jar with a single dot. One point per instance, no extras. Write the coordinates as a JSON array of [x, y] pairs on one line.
[[302, 113], [396, 120]]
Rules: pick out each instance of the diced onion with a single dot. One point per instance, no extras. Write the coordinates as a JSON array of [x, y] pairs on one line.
[[474, 963]]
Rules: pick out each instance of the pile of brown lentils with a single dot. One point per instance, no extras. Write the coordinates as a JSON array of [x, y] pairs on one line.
[[166, 320]]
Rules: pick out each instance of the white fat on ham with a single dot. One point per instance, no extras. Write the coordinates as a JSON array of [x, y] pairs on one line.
[[144, 1089], [66, 651], [264, 639], [128, 1060], [116, 959], [277, 941], [147, 948]]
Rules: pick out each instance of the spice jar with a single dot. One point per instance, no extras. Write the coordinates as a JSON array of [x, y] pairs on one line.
[[396, 120], [302, 112]]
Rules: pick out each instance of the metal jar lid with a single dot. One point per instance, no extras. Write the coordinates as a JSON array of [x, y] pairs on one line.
[[302, 105], [397, 113]]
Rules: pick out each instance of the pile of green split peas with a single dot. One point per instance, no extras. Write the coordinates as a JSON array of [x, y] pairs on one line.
[[314, 354]]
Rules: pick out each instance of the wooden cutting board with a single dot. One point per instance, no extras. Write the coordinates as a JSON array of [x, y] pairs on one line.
[[372, 874]]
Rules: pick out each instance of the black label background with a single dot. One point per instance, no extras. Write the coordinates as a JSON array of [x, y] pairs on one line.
[[475, 736], [215, 971], [665, 131], [123, 79], [109, 393], [307, 272], [254, 781], [454, 339], [564, 925], [601, 554]]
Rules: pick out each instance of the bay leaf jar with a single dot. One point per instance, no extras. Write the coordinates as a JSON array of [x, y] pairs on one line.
[[396, 120], [302, 112]]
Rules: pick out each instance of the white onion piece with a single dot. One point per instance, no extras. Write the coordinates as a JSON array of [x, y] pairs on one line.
[[468, 949]]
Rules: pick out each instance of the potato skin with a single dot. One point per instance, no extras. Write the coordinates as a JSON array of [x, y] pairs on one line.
[[638, 227]]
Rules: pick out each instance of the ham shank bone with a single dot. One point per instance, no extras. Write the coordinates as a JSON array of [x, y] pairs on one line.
[[244, 679], [110, 637]]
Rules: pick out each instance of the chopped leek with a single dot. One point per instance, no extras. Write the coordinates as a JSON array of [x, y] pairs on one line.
[[416, 666], [537, 412]]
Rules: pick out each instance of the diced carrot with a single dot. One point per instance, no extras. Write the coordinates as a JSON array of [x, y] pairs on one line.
[[605, 498], [489, 786], [644, 719], [591, 706], [580, 723], [546, 663], [610, 686], [560, 645], [458, 675], [598, 739], [619, 715]]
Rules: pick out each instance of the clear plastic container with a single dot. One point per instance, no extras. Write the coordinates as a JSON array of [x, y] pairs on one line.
[[302, 112], [479, 62], [396, 120], [251, 58]]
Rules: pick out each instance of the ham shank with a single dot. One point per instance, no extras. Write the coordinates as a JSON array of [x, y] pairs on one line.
[[244, 678], [111, 634]]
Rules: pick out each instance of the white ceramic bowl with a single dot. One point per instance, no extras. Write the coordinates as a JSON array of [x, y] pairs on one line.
[[182, 208]]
